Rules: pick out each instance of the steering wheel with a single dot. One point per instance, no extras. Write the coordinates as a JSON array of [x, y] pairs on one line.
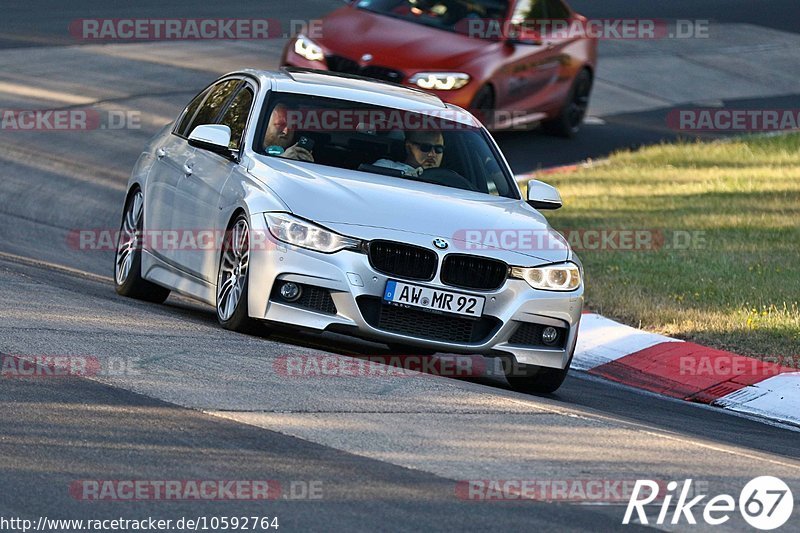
[[445, 176]]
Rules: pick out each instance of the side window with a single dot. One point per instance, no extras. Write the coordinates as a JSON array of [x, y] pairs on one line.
[[235, 116], [213, 104], [528, 17], [528, 11], [189, 112], [557, 10]]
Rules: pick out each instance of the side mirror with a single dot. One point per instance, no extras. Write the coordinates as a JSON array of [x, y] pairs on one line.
[[212, 137], [543, 196]]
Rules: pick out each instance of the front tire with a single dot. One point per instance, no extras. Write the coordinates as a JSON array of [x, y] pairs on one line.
[[128, 279], [482, 106], [536, 379], [233, 278]]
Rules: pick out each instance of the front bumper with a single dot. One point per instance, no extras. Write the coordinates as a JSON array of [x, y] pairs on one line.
[[356, 288]]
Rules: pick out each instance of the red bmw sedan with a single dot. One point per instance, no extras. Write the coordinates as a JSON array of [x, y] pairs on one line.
[[514, 63]]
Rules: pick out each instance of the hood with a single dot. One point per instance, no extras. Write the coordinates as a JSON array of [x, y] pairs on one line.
[[351, 32], [359, 203]]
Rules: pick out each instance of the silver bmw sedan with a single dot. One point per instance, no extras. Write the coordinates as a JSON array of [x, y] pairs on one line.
[[337, 203]]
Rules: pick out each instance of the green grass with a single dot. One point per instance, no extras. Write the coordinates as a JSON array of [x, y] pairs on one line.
[[739, 289]]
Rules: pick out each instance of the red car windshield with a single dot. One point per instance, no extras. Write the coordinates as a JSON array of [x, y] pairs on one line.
[[451, 15]]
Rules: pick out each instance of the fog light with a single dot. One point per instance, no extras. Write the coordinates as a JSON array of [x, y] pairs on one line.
[[290, 291], [549, 335]]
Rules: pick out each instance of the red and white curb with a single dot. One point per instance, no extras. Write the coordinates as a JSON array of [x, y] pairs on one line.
[[686, 370], [679, 369]]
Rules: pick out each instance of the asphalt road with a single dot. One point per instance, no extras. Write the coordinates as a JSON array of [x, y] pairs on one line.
[[56, 433], [205, 403]]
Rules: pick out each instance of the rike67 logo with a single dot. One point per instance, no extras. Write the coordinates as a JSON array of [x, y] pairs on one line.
[[765, 503]]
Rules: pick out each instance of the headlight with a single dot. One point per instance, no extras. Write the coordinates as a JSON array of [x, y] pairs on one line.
[[305, 47], [299, 232], [560, 277], [440, 81]]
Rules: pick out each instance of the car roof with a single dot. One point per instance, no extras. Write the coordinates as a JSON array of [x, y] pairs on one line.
[[361, 90]]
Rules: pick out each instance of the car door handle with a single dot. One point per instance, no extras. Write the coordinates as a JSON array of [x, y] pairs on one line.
[[187, 168], [160, 153]]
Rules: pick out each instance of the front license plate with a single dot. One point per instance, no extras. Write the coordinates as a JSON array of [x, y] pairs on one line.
[[400, 293]]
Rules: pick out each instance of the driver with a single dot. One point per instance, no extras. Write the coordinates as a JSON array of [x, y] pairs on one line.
[[279, 137], [424, 149]]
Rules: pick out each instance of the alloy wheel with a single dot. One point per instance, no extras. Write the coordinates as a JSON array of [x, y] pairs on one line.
[[233, 269], [129, 238]]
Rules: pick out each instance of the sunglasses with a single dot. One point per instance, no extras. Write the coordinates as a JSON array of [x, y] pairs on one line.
[[427, 147]]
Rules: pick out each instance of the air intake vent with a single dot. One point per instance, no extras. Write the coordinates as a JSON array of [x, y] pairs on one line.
[[425, 325], [402, 260], [473, 272], [348, 66]]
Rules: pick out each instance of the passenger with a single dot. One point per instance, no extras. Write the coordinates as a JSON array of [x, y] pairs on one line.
[[279, 137], [424, 149]]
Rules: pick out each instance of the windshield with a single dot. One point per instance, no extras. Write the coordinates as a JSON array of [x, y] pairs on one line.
[[405, 145], [452, 15]]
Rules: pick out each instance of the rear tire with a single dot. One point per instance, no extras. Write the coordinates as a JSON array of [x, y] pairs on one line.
[[568, 122], [128, 279]]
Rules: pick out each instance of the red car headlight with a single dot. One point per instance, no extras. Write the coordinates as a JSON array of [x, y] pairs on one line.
[[305, 47], [440, 81]]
